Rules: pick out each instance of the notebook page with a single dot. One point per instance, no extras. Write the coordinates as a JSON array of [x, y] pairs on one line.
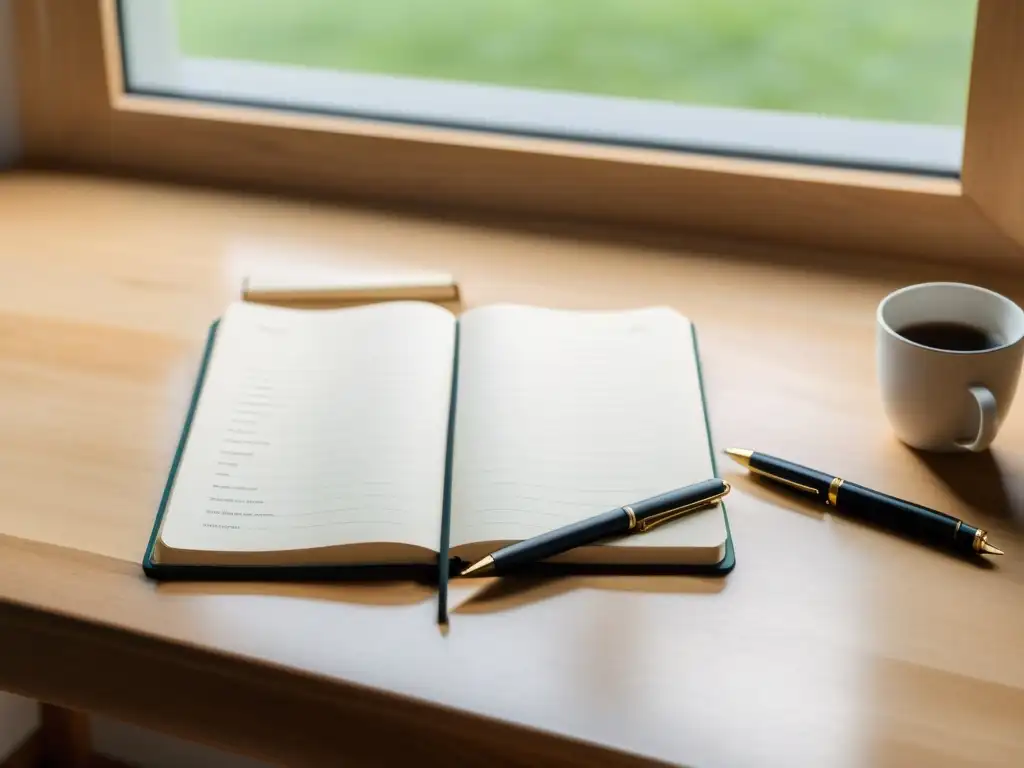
[[318, 428], [562, 415]]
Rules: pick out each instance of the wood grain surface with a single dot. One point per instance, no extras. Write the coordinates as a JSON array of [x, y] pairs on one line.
[[830, 644]]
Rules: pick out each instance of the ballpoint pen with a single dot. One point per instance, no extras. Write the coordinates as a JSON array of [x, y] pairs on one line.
[[637, 517], [913, 520]]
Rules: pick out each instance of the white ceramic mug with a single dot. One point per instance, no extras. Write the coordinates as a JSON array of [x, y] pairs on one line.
[[943, 400]]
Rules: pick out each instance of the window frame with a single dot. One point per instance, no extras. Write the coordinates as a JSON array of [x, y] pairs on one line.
[[77, 114], [155, 66]]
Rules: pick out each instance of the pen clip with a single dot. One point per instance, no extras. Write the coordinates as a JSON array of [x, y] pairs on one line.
[[671, 514], [784, 481]]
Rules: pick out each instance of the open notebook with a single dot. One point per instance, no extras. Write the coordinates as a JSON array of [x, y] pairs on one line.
[[388, 435]]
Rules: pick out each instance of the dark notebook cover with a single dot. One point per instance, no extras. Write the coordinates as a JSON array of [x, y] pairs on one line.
[[438, 573]]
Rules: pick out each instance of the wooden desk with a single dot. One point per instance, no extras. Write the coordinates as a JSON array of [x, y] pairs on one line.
[[830, 644]]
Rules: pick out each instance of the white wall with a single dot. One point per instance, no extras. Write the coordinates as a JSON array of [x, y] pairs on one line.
[[18, 718], [8, 118]]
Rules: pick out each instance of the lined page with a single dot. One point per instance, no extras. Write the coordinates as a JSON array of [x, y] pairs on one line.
[[318, 428], [562, 415]]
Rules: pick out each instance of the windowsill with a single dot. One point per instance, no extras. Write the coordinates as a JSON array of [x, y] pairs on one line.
[[249, 228]]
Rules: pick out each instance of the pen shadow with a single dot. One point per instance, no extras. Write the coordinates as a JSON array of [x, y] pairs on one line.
[[772, 493], [380, 593], [507, 592], [798, 502]]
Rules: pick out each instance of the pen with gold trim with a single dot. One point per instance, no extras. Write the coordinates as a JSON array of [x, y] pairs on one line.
[[637, 517], [912, 520]]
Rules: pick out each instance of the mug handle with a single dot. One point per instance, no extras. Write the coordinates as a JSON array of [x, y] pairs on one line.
[[988, 421]]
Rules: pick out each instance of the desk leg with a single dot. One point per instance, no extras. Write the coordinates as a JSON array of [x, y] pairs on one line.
[[61, 741], [64, 738]]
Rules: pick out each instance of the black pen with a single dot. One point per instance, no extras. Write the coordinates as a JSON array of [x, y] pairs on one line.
[[640, 516], [913, 520]]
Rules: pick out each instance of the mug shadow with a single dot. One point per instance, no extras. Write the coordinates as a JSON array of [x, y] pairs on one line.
[[978, 480]]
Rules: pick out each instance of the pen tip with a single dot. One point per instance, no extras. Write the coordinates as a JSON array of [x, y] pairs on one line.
[[740, 455], [480, 567], [988, 549]]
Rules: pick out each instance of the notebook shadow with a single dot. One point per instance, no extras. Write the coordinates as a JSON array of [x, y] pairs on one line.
[[381, 593], [500, 594]]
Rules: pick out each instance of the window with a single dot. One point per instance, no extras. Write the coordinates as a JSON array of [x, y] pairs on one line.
[[858, 83], [834, 125]]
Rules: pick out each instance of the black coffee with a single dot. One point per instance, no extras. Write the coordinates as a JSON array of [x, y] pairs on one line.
[[956, 337]]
